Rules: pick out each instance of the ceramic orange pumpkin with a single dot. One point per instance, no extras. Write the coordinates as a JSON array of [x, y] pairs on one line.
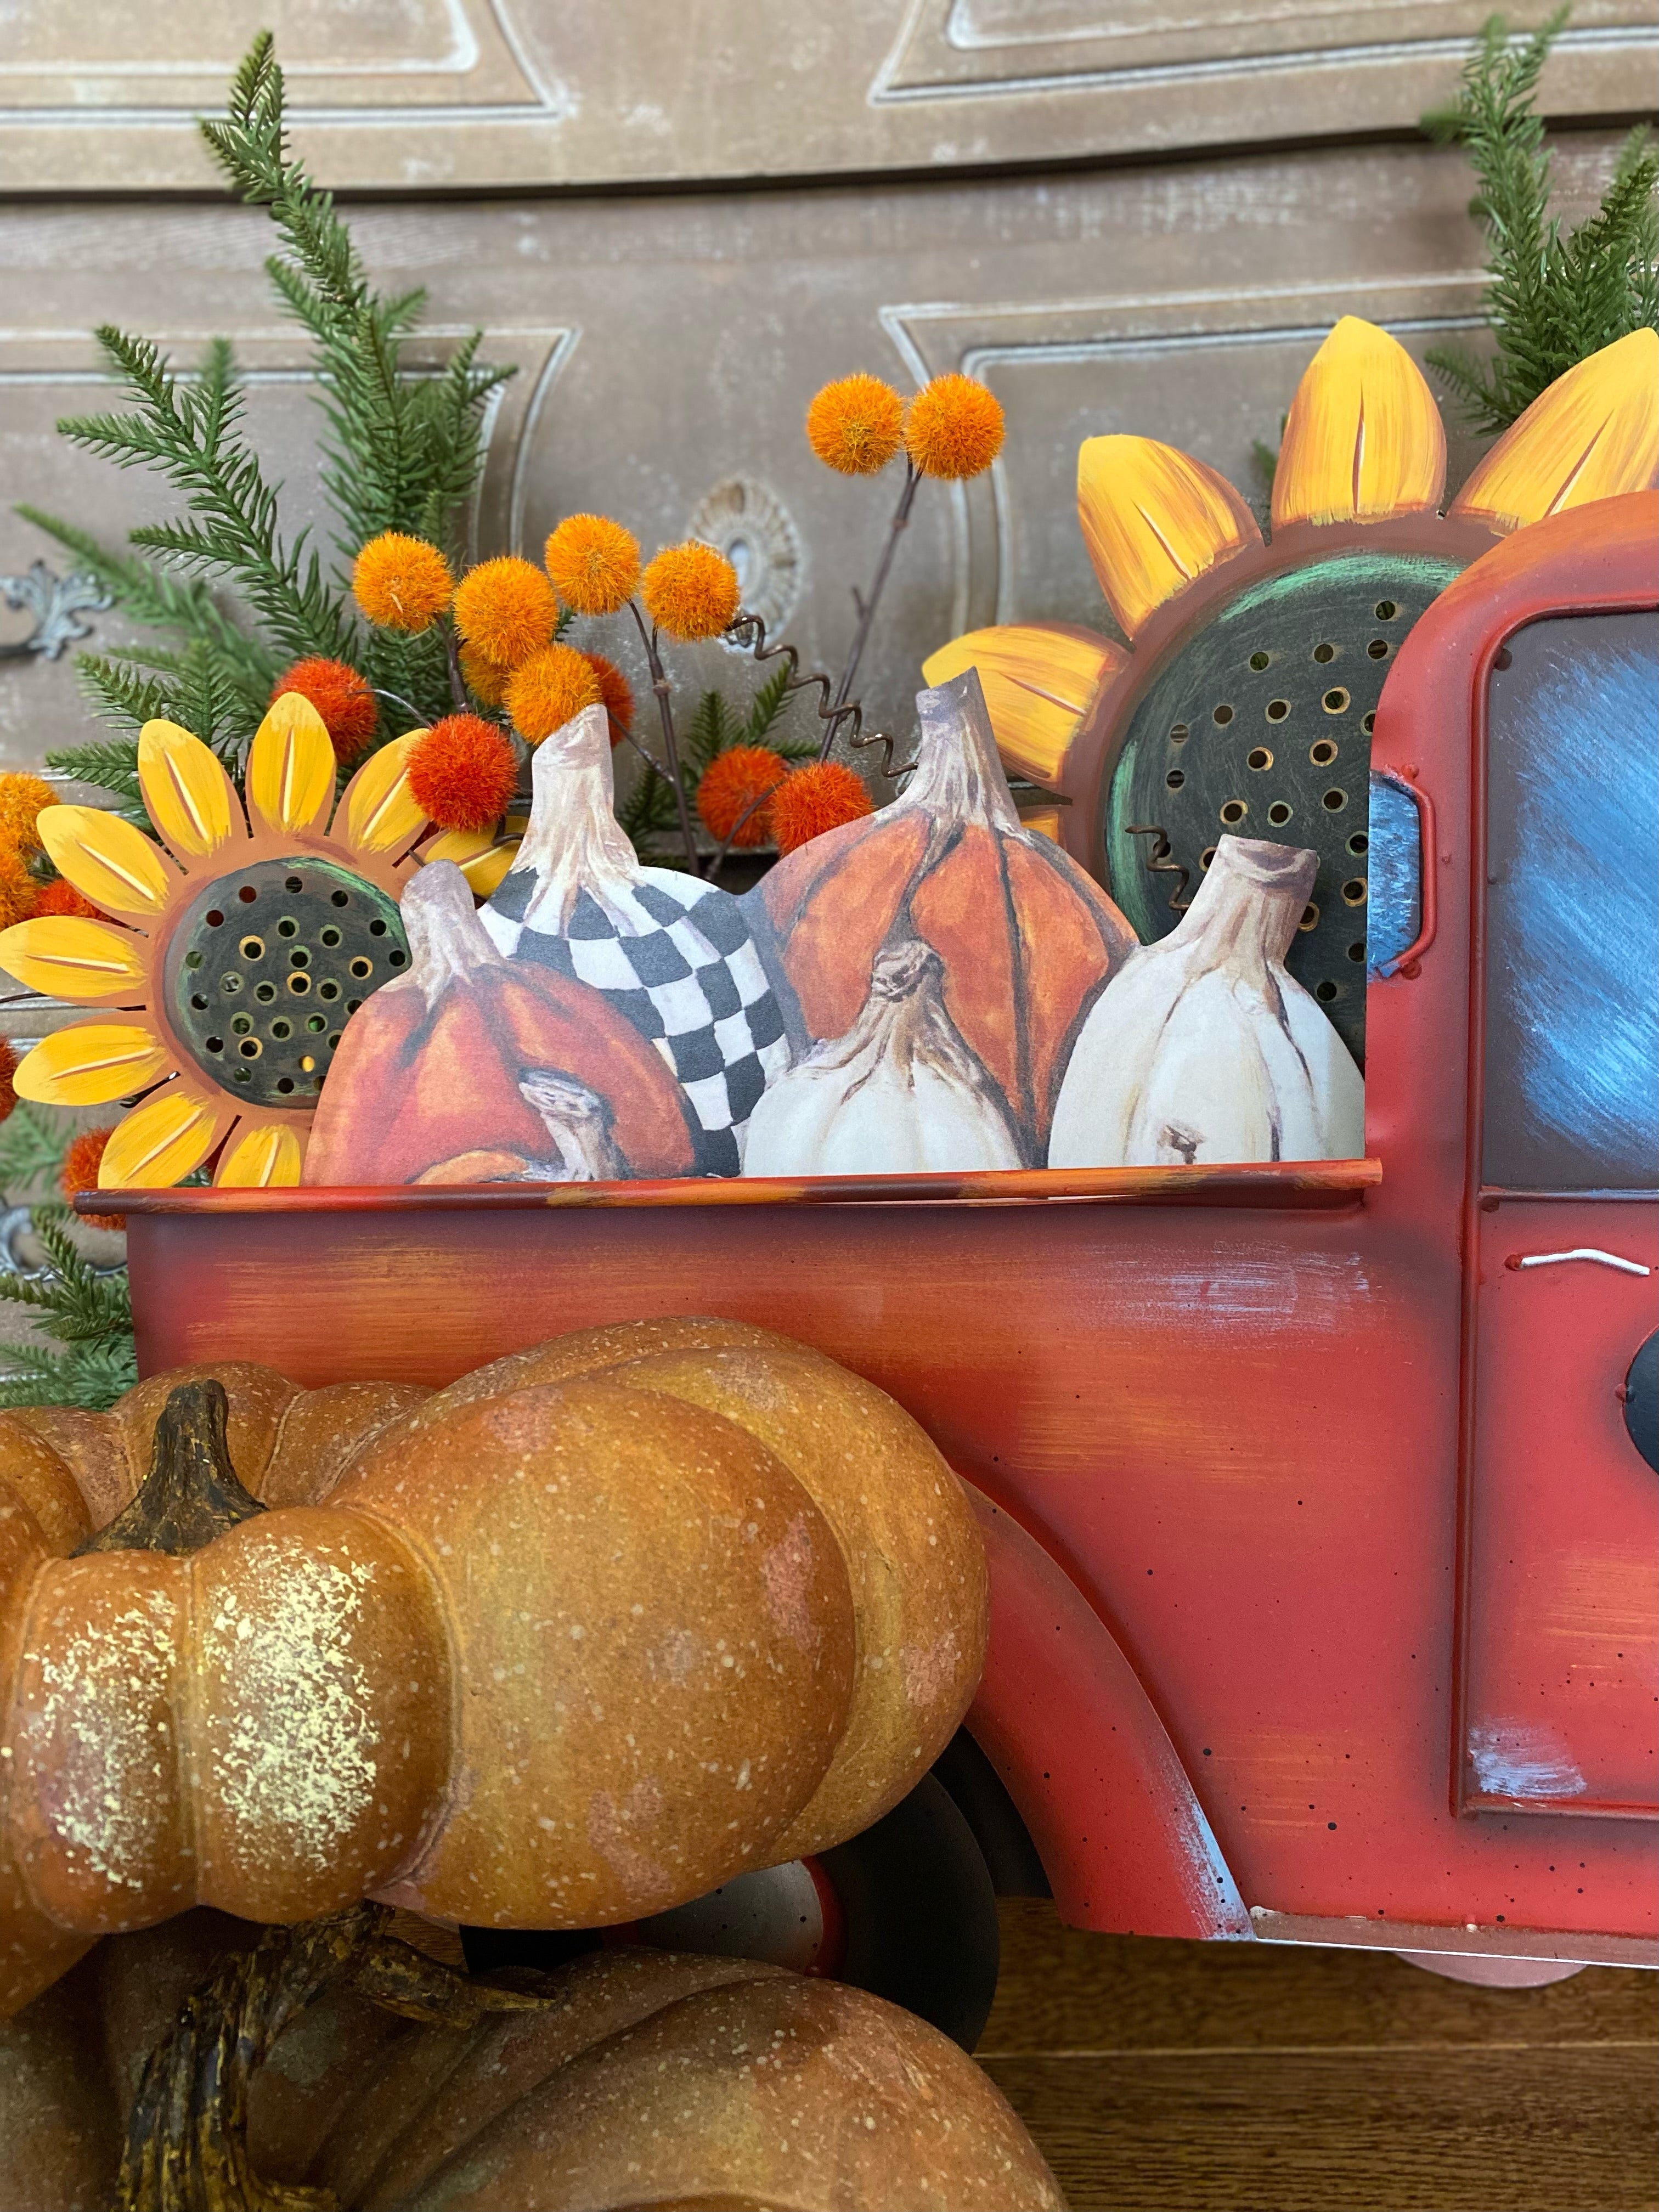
[[580, 1646], [627, 2078], [1026, 938], [523, 1072]]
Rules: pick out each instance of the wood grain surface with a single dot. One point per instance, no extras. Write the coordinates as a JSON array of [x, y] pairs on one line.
[[1256, 2078]]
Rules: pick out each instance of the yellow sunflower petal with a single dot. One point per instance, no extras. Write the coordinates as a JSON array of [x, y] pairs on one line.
[[1153, 518], [1363, 439], [68, 957], [93, 1062], [482, 859], [1045, 820], [1040, 680], [378, 810], [107, 859], [260, 1159], [290, 767], [1593, 435], [187, 793], [160, 1142]]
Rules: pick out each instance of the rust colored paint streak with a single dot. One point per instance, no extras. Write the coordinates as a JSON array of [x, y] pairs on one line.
[[1299, 1183], [1067, 1725]]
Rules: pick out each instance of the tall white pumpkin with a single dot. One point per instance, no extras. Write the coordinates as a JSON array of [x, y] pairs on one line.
[[1203, 1048]]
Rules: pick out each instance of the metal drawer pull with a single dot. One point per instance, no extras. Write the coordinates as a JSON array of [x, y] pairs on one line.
[[1578, 1252]]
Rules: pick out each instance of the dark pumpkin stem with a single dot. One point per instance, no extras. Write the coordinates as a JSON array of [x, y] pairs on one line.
[[186, 2134], [192, 1493]]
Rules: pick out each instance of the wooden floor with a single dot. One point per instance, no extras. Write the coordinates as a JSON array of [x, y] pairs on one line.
[[1221, 2077]]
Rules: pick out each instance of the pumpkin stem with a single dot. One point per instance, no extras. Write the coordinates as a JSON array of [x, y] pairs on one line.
[[192, 1493], [446, 940], [959, 774], [186, 2134], [574, 843]]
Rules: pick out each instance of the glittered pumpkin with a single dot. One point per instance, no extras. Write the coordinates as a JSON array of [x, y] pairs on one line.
[[630, 2077], [580, 1645]]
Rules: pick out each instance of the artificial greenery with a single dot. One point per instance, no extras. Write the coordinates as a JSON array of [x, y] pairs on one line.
[[1555, 297], [647, 811], [86, 1311], [402, 451]]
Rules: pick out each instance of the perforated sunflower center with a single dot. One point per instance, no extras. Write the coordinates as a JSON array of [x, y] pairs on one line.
[[1260, 726], [267, 966]]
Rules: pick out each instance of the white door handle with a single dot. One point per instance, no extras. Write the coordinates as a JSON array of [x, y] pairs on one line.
[[1517, 1260]]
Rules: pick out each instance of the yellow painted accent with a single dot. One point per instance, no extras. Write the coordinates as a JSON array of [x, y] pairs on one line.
[[260, 1159], [479, 857], [107, 859], [1040, 680], [379, 810], [1045, 820], [1363, 439], [160, 1142], [92, 1063], [69, 956], [290, 766], [187, 793], [1593, 435], [1153, 519]]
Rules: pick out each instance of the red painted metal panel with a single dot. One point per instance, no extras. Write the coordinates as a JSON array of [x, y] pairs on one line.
[[1068, 1724]]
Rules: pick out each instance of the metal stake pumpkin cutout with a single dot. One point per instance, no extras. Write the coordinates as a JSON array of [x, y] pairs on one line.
[[573, 1642]]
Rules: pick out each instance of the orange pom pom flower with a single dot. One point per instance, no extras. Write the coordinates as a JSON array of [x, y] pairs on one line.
[[953, 429], [402, 583], [20, 894], [506, 610], [7, 1079], [462, 772], [341, 696], [486, 679], [594, 563], [550, 690], [821, 796], [690, 591], [616, 694], [734, 795], [60, 896], [21, 797], [856, 425], [79, 1173]]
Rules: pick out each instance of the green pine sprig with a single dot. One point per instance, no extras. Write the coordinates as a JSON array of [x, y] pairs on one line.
[[1554, 298], [88, 1313]]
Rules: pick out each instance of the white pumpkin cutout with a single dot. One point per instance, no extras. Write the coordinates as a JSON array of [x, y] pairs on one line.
[[1203, 1048], [899, 1094]]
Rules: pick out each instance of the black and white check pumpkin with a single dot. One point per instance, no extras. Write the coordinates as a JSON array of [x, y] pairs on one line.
[[673, 954]]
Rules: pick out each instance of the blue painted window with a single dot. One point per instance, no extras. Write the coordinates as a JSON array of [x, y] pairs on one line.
[[1572, 908]]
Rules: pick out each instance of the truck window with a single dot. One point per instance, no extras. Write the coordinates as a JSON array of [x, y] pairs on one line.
[[1572, 908]]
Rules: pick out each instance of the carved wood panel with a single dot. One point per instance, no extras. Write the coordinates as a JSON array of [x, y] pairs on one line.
[[418, 95], [666, 349]]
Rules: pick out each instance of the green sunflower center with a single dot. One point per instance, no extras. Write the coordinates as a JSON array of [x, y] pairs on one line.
[[1260, 725], [267, 966]]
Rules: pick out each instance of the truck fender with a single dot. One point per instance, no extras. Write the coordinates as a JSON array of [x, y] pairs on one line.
[[1063, 1718]]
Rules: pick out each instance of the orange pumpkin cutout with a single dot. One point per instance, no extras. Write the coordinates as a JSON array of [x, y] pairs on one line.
[[1026, 938], [476, 1068]]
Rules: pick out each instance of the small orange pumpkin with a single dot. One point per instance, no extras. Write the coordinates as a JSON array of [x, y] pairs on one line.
[[1026, 938], [474, 1054]]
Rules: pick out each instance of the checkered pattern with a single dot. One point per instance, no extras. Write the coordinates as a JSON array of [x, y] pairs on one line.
[[684, 969]]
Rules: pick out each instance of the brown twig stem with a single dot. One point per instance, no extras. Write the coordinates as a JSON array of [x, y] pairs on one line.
[[660, 684], [866, 603]]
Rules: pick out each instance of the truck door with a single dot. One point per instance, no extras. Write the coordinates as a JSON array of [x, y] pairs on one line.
[[1560, 1663]]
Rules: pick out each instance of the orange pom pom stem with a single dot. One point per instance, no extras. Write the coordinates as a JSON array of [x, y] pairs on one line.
[[870, 600], [670, 743]]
